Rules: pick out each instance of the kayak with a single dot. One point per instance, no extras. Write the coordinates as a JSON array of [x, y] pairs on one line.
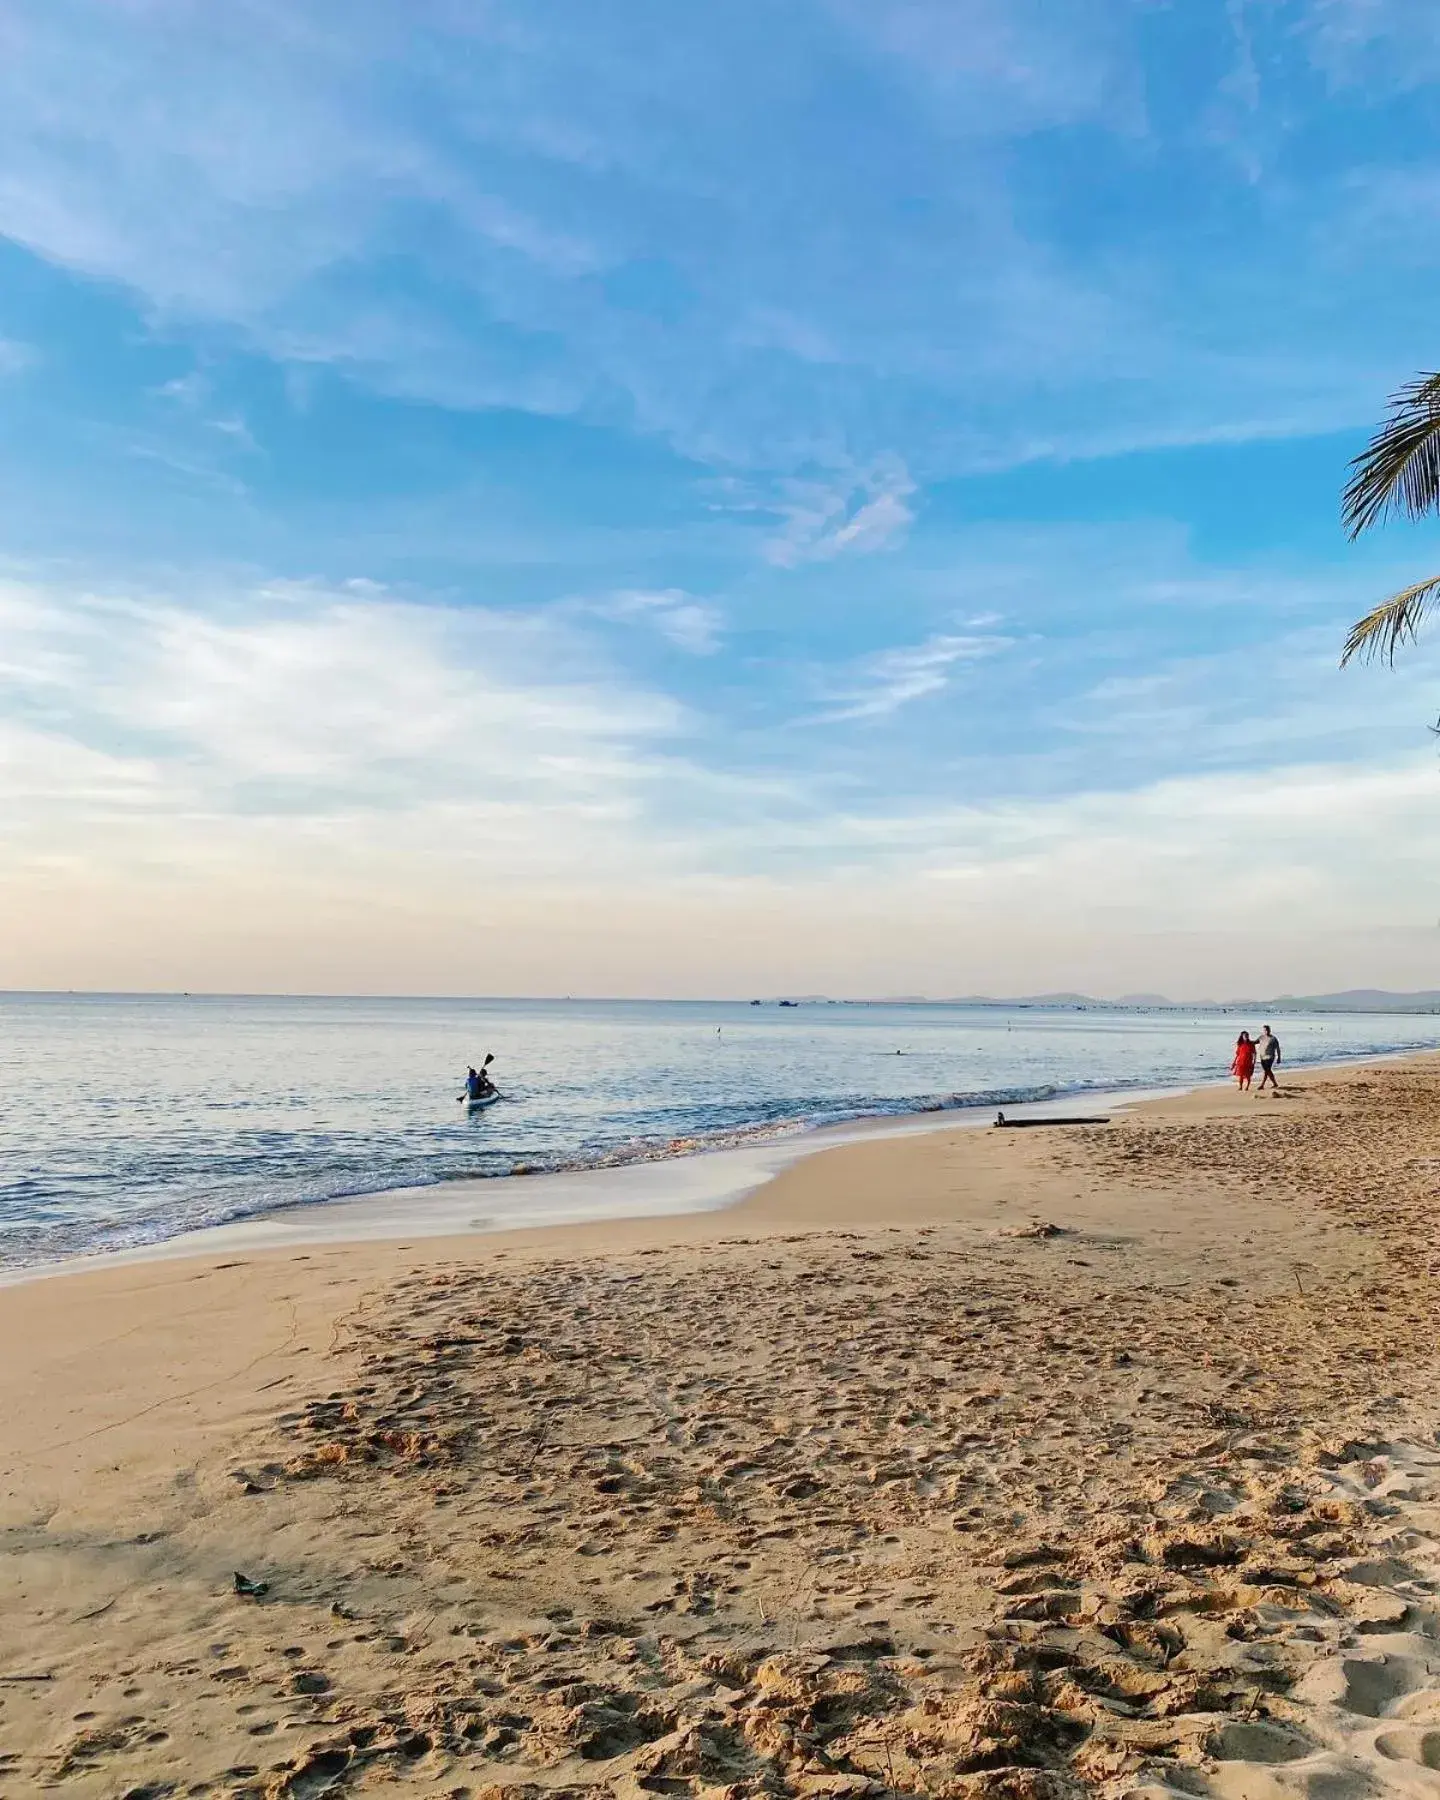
[[481, 1101]]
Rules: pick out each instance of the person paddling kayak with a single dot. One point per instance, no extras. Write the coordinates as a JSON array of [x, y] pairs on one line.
[[478, 1085]]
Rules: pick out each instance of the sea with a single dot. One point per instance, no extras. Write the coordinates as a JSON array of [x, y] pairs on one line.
[[126, 1120]]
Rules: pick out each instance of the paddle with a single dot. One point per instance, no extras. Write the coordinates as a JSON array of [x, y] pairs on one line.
[[489, 1058]]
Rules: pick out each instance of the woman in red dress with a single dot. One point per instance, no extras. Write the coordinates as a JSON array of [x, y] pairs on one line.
[[1243, 1066]]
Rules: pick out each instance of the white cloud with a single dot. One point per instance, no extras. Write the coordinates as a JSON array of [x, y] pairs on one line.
[[381, 233], [190, 391], [884, 682], [309, 786], [691, 625], [484, 225], [318, 703], [41, 769], [856, 514], [1315, 849]]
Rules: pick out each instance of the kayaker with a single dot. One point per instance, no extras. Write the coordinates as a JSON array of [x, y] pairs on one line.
[[477, 1081]]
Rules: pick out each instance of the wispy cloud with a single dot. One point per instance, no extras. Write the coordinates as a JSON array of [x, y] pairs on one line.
[[861, 326], [233, 427], [336, 765], [190, 391], [308, 701], [568, 221], [1354, 41], [320, 799], [692, 625], [856, 514], [1009, 67], [193, 396], [881, 684]]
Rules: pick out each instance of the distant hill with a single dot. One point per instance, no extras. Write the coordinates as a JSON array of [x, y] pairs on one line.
[[1357, 1000], [1352, 1000]]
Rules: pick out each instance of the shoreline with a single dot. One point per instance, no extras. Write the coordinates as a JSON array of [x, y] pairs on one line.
[[957, 1465], [689, 1182]]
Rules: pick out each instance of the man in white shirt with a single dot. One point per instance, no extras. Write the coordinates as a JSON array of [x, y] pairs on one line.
[[1267, 1054]]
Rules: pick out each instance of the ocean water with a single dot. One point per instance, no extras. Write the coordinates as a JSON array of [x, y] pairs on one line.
[[128, 1119]]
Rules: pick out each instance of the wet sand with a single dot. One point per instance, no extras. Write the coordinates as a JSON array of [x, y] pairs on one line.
[[1021, 1463]]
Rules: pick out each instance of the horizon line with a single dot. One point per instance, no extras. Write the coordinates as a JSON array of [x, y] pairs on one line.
[[1055, 997]]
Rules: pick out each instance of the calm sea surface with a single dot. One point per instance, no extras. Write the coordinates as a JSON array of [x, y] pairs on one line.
[[124, 1120]]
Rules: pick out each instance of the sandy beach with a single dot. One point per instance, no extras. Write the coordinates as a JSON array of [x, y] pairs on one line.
[[974, 1462]]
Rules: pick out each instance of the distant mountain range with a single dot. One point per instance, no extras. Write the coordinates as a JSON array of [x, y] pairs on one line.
[[1374, 1000], [1356, 1000]]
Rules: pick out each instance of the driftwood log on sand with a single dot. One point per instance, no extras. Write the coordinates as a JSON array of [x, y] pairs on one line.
[[1002, 1123]]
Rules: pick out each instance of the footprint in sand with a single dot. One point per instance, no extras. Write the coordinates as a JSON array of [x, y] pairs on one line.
[[1421, 1747], [1422, 1708], [1258, 1741], [1367, 1687], [1325, 1777]]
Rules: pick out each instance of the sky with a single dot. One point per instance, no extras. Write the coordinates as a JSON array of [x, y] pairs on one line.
[[837, 497]]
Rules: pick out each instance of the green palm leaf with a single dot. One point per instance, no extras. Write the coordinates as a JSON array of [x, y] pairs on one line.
[[1399, 471], [1392, 623]]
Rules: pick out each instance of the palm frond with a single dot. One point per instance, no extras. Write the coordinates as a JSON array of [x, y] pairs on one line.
[[1399, 470], [1394, 622]]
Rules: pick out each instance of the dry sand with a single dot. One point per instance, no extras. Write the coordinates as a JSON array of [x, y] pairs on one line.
[[875, 1483]]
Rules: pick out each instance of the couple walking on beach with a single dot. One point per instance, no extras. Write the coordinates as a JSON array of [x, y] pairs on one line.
[[1266, 1051]]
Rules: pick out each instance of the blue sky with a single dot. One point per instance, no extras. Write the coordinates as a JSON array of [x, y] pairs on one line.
[[827, 496]]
